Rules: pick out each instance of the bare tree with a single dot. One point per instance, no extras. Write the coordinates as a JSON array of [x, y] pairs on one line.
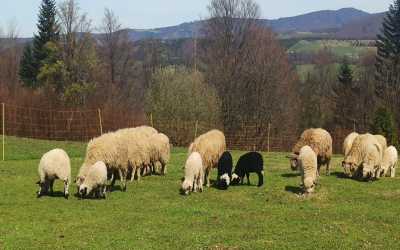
[[247, 66], [115, 47]]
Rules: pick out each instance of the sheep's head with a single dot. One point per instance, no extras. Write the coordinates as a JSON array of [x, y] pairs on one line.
[[368, 171], [235, 179], [294, 161], [187, 187], [84, 190], [309, 185], [349, 167], [224, 181]]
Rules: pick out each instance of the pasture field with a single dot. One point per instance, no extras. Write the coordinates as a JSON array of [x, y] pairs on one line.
[[342, 214], [338, 47]]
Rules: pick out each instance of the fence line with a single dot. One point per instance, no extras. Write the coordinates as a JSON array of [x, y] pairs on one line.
[[83, 125]]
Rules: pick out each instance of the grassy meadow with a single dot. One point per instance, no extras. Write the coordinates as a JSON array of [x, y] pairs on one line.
[[342, 214], [339, 48]]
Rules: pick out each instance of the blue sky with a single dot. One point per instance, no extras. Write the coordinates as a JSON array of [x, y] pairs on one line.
[[160, 13]]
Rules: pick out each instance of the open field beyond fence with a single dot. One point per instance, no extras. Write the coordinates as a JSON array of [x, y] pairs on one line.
[[342, 214]]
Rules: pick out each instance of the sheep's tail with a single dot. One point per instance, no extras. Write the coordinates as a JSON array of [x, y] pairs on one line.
[[260, 178]]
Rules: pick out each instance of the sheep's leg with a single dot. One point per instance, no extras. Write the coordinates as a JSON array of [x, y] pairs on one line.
[[248, 178], [122, 176], [138, 174], [51, 186], [66, 187], [393, 172], [133, 173], [104, 190], [207, 177], [41, 187], [195, 187], [328, 169], [260, 178], [163, 169]]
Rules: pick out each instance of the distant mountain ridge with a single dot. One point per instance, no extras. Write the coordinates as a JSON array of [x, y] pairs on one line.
[[340, 22]]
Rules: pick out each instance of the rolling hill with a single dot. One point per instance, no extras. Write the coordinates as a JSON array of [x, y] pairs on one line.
[[343, 23]]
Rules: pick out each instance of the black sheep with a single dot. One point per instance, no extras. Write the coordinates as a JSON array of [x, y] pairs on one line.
[[225, 165], [251, 162]]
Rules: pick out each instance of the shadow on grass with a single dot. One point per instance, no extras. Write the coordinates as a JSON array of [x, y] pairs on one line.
[[56, 194], [290, 175], [340, 175], [295, 190]]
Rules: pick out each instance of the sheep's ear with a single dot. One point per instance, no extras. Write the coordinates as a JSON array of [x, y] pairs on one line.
[[182, 179]]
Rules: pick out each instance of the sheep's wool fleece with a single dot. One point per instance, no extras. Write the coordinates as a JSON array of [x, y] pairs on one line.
[[365, 149], [55, 164], [210, 146], [308, 164], [348, 142], [318, 139]]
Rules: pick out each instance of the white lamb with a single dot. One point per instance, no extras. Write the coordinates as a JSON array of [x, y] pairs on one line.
[[194, 174], [95, 181], [308, 164], [53, 165], [389, 162]]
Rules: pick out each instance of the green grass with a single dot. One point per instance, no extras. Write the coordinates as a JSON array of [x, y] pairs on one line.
[[338, 48], [342, 214]]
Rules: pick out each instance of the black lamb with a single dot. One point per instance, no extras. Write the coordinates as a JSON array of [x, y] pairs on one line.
[[225, 165], [251, 162]]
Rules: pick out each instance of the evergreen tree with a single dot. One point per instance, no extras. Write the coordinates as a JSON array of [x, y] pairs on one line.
[[388, 56], [344, 93], [48, 31], [26, 70], [385, 125], [345, 74]]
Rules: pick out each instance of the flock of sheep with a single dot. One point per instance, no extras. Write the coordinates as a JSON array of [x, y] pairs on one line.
[[366, 156], [134, 152]]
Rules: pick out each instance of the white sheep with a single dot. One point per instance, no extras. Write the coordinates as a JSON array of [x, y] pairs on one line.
[[389, 162], [160, 151], [53, 165], [210, 146], [194, 174], [103, 148], [308, 165], [320, 141], [348, 142], [95, 181], [382, 141], [364, 157]]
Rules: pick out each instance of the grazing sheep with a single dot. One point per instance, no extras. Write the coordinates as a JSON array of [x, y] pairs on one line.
[[320, 141], [134, 152], [160, 151], [348, 142], [53, 165], [308, 165], [95, 181], [104, 148], [194, 174], [389, 162], [364, 157], [251, 162], [225, 165], [210, 146], [382, 141]]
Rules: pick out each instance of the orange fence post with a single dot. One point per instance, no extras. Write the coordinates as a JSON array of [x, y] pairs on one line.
[[3, 112], [100, 121]]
